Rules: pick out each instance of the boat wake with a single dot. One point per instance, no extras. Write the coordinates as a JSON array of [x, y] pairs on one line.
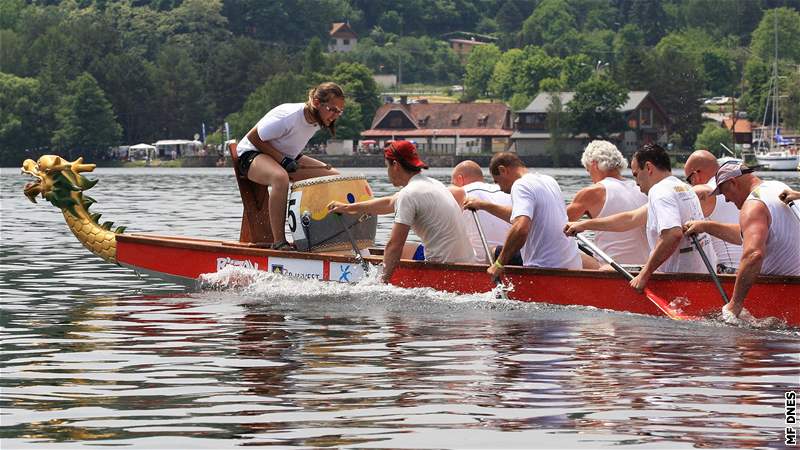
[[268, 285]]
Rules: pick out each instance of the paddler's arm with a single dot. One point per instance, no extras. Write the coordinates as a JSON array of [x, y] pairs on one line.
[[754, 221], [668, 242], [516, 238], [503, 212], [623, 221], [728, 232], [375, 206], [264, 146], [394, 249], [587, 201]]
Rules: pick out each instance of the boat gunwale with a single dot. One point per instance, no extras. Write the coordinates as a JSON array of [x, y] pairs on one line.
[[254, 250]]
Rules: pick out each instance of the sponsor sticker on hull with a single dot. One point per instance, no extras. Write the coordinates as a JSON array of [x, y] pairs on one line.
[[345, 272], [225, 261], [299, 268]]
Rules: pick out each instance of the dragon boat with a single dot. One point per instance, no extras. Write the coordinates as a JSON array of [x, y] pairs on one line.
[[184, 259]]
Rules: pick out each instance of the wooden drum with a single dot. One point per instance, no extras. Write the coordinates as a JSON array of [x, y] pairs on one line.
[[314, 229]]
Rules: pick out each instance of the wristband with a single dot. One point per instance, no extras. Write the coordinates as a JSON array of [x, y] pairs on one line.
[[497, 264]]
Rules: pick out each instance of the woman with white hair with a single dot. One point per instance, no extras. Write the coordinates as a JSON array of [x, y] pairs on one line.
[[611, 193]]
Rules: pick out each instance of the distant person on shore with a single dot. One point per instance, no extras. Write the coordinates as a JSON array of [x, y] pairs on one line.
[[700, 169], [767, 230], [270, 153], [670, 204], [422, 204], [610, 194], [537, 216], [468, 183]]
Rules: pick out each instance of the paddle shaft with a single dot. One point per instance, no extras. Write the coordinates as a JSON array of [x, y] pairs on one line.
[[357, 253], [588, 244], [795, 209], [711, 270], [659, 302], [489, 255]]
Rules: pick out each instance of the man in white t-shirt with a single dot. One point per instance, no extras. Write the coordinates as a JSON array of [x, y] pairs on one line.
[[699, 169], [670, 203], [537, 216], [767, 230], [424, 205], [468, 182], [610, 194]]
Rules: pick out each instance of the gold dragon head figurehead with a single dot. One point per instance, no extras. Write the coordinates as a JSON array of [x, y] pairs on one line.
[[57, 180]]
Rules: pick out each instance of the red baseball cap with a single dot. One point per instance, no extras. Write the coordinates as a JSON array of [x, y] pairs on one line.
[[405, 152]]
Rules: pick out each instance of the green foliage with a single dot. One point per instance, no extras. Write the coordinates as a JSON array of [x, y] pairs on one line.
[[557, 123], [480, 65], [358, 85], [22, 118], [85, 119], [785, 22], [313, 58], [712, 136], [595, 108], [281, 88]]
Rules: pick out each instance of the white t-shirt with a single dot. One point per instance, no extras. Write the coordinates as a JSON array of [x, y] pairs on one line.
[[285, 127], [539, 197], [783, 241], [494, 228], [670, 204], [724, 212], [627, 247], [429, 208]]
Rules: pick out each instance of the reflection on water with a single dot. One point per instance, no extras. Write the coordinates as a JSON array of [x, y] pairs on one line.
[[94, 355]]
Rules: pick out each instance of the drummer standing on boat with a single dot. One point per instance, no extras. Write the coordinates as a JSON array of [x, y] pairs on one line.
[[670, 204], [767, 230], [700, 168], [270, 153], [422, 204], [610, 194], [537, 215], [468, 182]]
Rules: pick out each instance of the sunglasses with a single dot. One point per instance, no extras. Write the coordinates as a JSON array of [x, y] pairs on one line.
[[333, 109], [689, 177]]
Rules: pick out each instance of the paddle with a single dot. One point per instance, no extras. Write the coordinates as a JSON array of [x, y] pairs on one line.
[[711, 270], [660, 303], [795, 209], [360, 259], [489, 257]]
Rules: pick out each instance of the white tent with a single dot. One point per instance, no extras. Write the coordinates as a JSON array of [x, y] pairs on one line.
[[141, 151]]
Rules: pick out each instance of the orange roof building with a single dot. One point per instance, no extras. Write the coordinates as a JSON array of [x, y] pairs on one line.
[[342, 37], [444, 128]]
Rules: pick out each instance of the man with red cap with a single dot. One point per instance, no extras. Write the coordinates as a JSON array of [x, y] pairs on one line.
[[767, 230], [424, 205]]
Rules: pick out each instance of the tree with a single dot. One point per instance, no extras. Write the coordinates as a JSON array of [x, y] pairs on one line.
[[631, 67], [183, 103], [556, 125], [553, 27], [358, 85], [712, 136], [23, 118], [85, 120], [281, 88], [480, 65], [595, 108], [785, 22], [313, 58]]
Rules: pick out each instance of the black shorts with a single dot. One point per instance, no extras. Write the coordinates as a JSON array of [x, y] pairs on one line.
[[246, 158]]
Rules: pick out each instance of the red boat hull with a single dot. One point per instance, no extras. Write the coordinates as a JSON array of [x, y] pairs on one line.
[[185, 259]]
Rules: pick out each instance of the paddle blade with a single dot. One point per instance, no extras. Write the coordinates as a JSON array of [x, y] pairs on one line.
[[664, 306]]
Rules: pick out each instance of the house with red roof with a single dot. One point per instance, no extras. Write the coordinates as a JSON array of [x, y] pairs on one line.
[[444, 128], [342, 37]]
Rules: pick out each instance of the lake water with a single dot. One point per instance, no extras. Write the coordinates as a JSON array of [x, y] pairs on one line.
[[94, 356]]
